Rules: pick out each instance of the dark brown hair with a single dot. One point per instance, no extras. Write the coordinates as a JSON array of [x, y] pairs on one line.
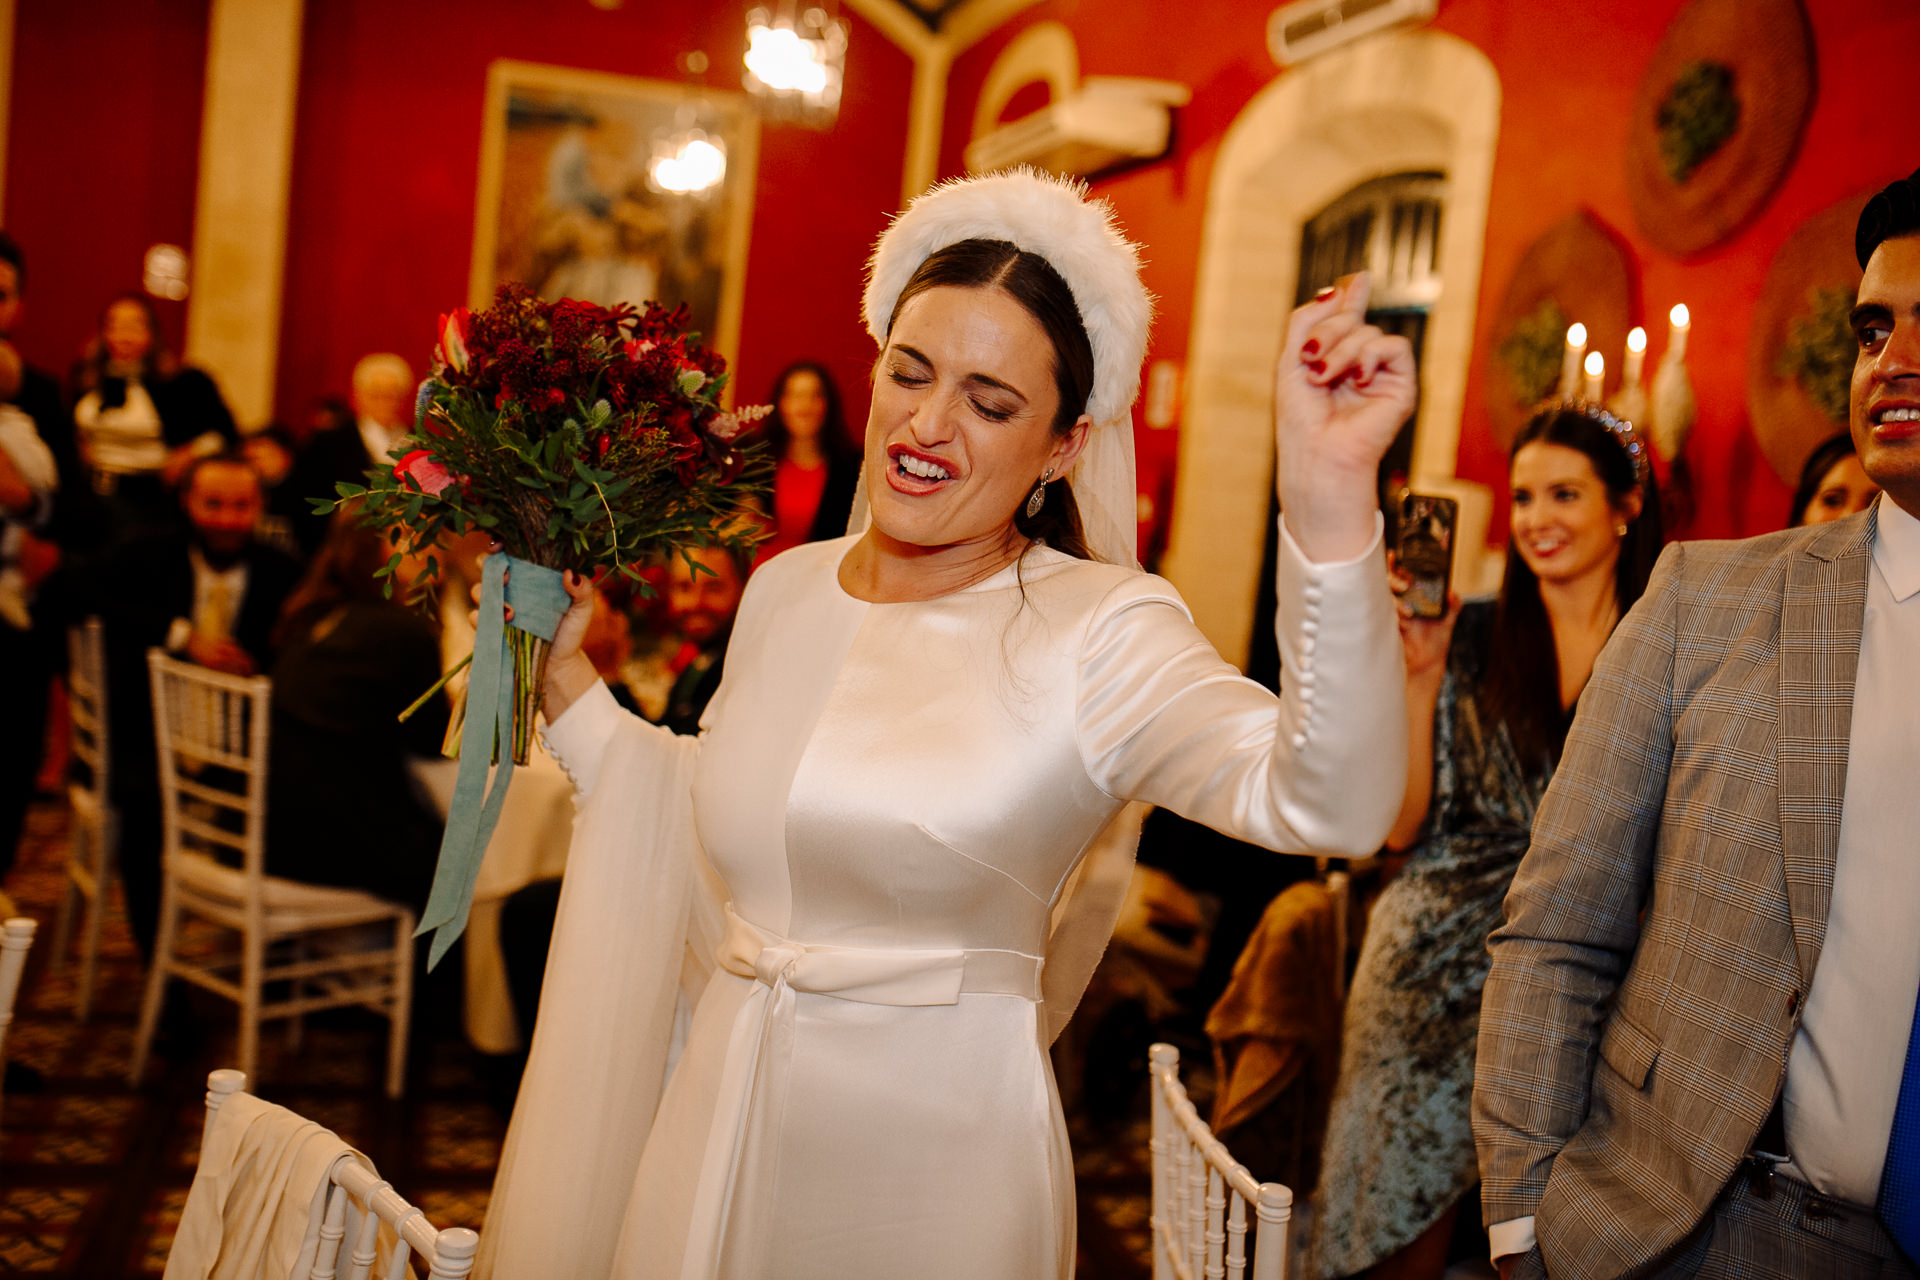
[[1522, 681], [1823, 459], [157, 363], [342, 572], [1031, 281], [834, 442]]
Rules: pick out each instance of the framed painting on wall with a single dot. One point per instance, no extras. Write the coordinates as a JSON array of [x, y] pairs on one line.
[[616, 189]]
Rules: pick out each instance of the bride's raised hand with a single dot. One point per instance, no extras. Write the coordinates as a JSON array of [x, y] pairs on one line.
[[1342, 391], [569, 671]]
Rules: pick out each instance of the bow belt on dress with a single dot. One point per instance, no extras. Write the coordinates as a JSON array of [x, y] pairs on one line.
[[751, 1092], [876, 975]]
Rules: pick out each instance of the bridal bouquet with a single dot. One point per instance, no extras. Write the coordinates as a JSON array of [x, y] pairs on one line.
[[581, 437]]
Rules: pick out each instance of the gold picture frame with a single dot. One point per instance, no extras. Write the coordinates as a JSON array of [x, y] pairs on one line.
[[566, 204]]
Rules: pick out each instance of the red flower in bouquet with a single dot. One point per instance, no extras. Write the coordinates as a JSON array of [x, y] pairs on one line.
[[419, 472]]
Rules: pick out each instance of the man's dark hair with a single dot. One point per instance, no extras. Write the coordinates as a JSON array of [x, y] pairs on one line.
[[225, 458], [1893, 212]]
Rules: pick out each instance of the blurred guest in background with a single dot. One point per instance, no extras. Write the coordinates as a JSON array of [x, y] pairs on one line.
[[702, 598], [327, 450], [1490, 692], [348, 661], [1833, 484], [818, 465], [284, 515], [210, 595], [383, 390], [609, 646], [29, 478], [142, 418], [39, 391]]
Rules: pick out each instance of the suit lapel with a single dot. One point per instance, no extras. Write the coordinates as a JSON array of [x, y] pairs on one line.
[[1820, 618]]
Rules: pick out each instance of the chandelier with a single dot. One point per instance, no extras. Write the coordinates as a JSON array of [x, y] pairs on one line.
[[795, 63], [686, 162]]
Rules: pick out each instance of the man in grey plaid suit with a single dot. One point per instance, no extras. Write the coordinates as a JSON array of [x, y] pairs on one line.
[[1696, 1028]]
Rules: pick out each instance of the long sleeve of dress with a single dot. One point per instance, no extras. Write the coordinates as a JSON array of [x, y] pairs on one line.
[[580, 738], [1163, 718]]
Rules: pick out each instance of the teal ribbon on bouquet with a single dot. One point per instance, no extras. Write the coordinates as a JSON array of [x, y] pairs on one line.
[[539, 598]]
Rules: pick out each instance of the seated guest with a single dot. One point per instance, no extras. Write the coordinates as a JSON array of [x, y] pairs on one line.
[[1833, 485], [29, 477], [700, 606], [210, 595], [286, 516], [383, 391], [609, 646], [328, 451], [349, 660], [142, 418], [1490, 692]]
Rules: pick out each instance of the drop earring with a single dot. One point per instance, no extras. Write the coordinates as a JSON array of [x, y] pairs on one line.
[[1038, 498]]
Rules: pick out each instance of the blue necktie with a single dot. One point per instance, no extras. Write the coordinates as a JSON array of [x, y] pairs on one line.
[[1900, 1183]]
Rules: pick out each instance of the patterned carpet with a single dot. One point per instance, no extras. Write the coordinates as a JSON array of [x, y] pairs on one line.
[[93, 1174]]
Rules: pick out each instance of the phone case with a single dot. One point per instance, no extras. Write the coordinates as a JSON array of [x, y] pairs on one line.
[[1424, 551]]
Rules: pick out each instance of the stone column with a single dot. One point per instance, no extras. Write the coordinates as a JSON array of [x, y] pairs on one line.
[[240, 210]]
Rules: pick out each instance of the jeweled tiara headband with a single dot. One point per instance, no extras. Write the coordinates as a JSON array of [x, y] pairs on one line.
[[1619, 428]]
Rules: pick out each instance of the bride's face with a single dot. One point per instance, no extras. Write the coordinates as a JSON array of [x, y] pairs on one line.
[[962, 421]]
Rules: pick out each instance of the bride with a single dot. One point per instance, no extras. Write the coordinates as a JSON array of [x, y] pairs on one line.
[[807, 965]]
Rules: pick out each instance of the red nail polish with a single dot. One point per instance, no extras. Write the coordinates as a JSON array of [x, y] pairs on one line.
[[1324, 294], [1317, 366], [1311, 349]]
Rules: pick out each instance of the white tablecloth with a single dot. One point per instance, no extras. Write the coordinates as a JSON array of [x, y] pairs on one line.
[[536, 826]]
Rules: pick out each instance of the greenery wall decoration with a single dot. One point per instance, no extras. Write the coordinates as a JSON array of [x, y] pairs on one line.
[[1819, 351], [1533, 351], [1698, 115]]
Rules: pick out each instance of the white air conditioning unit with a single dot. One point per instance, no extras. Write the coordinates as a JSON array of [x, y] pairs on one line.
[[1108, 120], [1300, 31]]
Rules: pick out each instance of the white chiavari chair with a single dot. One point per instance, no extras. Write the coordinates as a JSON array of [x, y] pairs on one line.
[[1202, 1195], [333, 947], [357, 1200], [95, 828], [16, 935]]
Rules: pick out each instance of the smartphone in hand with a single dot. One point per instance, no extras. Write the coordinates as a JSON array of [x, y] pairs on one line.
[[1423, 548]]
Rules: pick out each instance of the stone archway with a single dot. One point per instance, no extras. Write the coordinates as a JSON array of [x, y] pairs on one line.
[[1392, 103]]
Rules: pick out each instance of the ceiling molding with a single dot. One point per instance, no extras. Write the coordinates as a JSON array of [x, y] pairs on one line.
[[933, 33]]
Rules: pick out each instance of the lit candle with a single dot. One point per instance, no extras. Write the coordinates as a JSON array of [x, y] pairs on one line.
[[1596, 375], [1678, 323], [1636, 355], [1570, 361]]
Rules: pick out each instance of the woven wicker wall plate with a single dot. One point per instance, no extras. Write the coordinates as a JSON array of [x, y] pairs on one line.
[[1582, 264], [1769, 46], [1818, 255]]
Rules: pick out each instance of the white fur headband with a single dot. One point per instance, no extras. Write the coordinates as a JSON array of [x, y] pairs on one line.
[[1045, 215]]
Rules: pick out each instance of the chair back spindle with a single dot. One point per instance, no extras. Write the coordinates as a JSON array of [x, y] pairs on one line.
[[1201, 1193], [95, 822]]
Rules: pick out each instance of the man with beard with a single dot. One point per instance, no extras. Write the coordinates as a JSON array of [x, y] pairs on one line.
[[210, 596]]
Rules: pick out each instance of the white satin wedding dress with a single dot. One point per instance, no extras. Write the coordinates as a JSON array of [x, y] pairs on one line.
[[892, 798]]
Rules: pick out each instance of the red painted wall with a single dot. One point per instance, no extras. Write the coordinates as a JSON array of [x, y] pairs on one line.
[[102, 156], [1568, 70], [387, 154]]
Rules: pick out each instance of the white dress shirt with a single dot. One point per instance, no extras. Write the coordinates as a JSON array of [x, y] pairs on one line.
[[378, 437], [1843, 1073], [218, 595]]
